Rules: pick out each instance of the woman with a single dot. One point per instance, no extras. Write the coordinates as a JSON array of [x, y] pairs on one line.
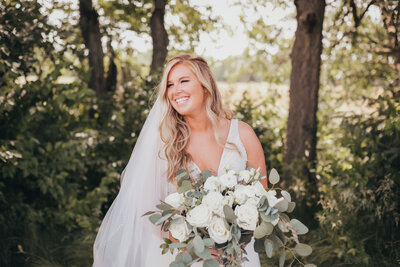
[[187, 127]]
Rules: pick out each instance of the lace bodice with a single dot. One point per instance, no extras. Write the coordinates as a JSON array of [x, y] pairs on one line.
[[230, 158]]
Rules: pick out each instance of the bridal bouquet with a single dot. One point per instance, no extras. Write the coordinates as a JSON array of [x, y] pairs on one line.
[[223, 213]]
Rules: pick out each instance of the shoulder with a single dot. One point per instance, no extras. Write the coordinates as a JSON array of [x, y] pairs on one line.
[[247, 135]]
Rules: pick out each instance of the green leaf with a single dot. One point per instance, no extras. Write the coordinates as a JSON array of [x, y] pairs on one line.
[[176, 264], [186, 186], [184, 257], [229, 213], [265, 228], [198, 244], [210, 263], [154, 218], [268, 248], [206, 174], [273, 176], [282, 258], [163, 218], [286, 195], [208, 242], [282, 205], [164, 206], [303, 249], [300, 228], [177, 245], [205, 254], [259, 246], [148, 213], [291, 207]]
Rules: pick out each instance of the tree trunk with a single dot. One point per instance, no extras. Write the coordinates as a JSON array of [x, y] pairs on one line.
[[111, 82], [90, 28], [301, 132], [390, 14], [159, 35]]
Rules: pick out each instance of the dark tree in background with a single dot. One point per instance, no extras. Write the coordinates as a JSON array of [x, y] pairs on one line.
[[391, 21], [304, 84], [89, 24], [158, 34]]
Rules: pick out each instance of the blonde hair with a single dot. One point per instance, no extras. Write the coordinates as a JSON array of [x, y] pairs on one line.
[[173, 128]]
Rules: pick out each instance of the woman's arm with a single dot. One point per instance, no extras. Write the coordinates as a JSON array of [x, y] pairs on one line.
[[254, 150]]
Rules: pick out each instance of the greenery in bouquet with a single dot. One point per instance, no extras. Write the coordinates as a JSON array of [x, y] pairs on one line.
[[223, 213]]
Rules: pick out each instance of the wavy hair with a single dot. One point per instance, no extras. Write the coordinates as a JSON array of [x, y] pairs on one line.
[[174, 130]]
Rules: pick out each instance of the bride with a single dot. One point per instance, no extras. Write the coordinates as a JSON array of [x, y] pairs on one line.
[[187, 127]]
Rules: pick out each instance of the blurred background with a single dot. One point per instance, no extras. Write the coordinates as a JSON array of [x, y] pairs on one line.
[[318, 81]]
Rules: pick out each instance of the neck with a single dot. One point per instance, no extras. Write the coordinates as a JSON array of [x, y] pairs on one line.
[[199, 122]]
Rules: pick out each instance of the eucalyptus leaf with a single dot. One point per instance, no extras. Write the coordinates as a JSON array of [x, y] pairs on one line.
[[205, 254], [177, 245], [176, 264], [148, 213], [300, 228], [273, 176], [210, 263], [265, 228], [303, 249], [154, 218], [259, 246], [208, 242], [282, 258], [286, 195], [291, 207], [282, 204], [268, 248], [206, 174], [229, 213], [164, 206], [184, 257], [185, 186], [163, 218], [198, 244]]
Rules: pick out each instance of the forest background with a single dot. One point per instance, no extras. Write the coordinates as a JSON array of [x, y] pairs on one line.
[[324, 101]]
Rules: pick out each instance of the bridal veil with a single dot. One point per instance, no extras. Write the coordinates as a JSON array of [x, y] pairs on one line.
[[125, 238]]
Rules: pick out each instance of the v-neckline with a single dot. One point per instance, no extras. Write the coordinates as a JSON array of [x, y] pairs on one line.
[[223, 151]]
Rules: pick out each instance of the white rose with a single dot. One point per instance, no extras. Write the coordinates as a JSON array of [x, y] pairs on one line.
[[250, 191], [175, 200], [180, 231], [228, 180], [244, 176], [212, 184], [199, 216], [240, 195], [253, 201], [214, 201], [259, 189], [218, 231], [247, 216]]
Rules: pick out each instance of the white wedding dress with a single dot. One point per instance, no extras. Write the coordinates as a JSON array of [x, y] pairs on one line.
[[230, 159], [126, 238]]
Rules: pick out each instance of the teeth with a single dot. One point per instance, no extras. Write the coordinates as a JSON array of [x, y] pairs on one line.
[[183, 99]]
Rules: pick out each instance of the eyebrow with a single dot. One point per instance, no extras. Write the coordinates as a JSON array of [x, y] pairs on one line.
[[183, 77]]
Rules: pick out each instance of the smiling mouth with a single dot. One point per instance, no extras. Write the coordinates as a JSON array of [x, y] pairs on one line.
[[182, 100]]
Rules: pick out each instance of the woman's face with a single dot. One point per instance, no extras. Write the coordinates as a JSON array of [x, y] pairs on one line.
[[184, 91]]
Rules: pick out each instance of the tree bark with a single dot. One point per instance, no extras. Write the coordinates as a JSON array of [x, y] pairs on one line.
[[90, 28], [301, 139], [159, 35], [391, 23]]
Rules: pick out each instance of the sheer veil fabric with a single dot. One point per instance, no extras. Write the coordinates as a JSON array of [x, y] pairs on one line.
[[125, 238]]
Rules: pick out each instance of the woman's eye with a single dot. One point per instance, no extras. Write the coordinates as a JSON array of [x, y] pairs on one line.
[[169, 85], [184, 81]]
